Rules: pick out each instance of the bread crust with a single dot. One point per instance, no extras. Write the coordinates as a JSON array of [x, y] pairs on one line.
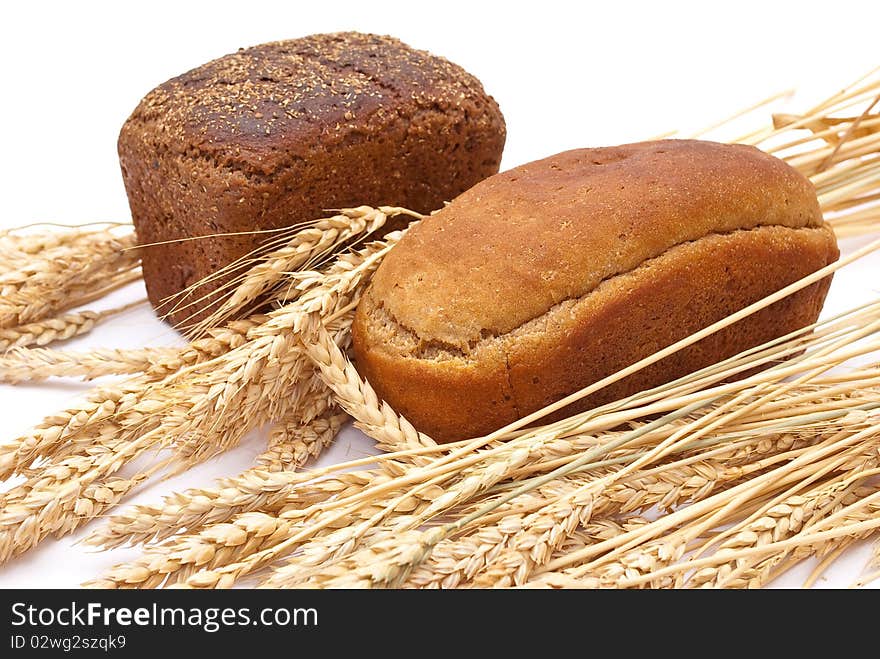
[[281, 133], [724, 255]]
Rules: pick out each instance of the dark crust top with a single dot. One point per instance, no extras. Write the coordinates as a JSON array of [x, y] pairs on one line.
[[518, 243], [261, 107]]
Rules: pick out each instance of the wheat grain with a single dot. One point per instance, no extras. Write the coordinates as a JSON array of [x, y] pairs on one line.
[[324, 550], [590, 455], [774, 565], [299, 391], [386, 563], [787, 516], [65, 495], [59, 430], [472, 482], [187, 507], [19, 246], [535, 537], [126, 524], [74, 424], [854, 518]]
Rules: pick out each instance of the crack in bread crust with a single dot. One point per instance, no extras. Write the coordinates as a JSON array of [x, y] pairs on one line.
[[507, 372], [435, 350]]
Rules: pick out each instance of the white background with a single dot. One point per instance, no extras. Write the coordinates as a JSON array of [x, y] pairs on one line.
[[566, 75]]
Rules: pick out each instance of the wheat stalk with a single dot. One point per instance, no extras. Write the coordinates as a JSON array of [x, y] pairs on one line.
[[424, 546], [347, 537], [667, 485], [562, 518], [329, 548], [437, 534], [30, 239], [838, 153], [253, 490], [264, 488], [59, 433], [691, 478], [533, 540], [60, 497], [337, 480], [853, 516]]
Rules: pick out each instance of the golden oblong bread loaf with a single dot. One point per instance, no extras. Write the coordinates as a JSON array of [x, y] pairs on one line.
[[548, 277]]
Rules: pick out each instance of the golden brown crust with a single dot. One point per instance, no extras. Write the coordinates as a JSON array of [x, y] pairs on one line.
[[514, 245], [277, 134], [466, 385]]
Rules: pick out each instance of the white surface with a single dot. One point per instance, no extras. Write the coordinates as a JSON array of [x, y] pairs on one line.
[[565, 74]]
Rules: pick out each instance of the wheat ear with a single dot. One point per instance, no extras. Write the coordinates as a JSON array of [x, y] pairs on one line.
[[37, 364], [303, 249], [59, 328], [293, 443]]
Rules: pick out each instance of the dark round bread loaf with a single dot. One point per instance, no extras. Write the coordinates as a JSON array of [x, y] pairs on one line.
[[280, 133], [551, 276]]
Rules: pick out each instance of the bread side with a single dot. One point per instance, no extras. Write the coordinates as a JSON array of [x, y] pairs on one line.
[[277, 134], [452, 395]]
